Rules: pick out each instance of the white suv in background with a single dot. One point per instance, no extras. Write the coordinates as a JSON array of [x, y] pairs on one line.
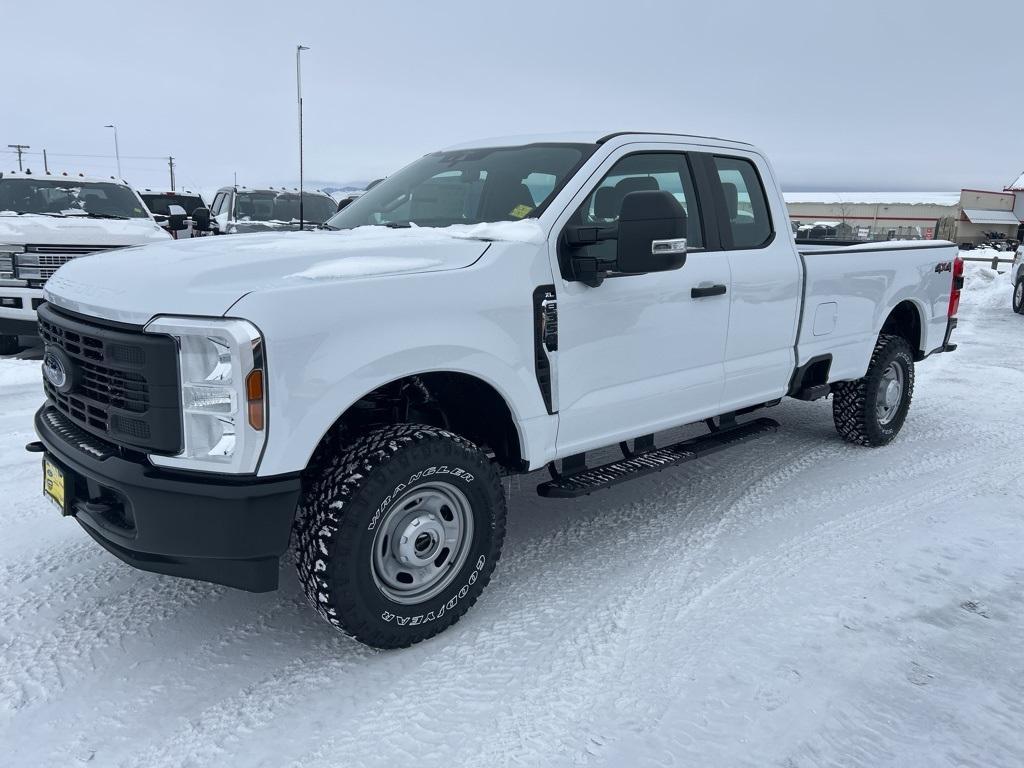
[[238, 210], [47, 220]]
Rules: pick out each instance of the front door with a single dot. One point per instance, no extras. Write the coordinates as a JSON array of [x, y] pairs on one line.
[[640, 353]]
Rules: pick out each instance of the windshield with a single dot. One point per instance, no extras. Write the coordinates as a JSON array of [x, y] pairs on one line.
[[67, 197], [160, 203], [283, 206], [467, 186]]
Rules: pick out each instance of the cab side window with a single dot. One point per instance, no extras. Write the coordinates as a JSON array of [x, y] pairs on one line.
[[746, 205], [653, 171]]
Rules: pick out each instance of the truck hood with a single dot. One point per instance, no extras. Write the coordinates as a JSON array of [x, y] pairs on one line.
[[78, 230], [206, 276]]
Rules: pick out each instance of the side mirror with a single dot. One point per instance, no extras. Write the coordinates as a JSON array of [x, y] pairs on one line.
[[201, 219], [176, 218], [344, 203], [652, 233]]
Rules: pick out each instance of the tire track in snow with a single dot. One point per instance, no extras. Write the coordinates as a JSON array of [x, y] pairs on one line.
[[289, 695]]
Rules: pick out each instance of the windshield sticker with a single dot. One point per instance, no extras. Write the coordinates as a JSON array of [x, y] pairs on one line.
[[520, 211]]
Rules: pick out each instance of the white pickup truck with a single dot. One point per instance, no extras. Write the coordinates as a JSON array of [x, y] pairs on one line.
[[47, 220], [494, 308]]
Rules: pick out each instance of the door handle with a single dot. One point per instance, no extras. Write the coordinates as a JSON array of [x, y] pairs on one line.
[[703, 291]]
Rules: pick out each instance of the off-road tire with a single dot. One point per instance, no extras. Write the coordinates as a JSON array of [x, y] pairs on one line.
[[1018, 296], [9, 345], [352, 494], [854, 402]]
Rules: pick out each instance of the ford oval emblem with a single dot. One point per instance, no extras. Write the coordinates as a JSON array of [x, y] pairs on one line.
[[56, 369]]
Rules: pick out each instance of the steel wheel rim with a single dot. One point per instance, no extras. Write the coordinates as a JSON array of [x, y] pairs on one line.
[[1018, 293], [422, 543], [890, 393]]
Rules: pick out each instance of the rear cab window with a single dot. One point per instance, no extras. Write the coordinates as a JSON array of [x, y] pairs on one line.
[[748, 222]]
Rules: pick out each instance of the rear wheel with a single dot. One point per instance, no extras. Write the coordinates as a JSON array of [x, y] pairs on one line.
[[400, 534], [8, 345], [1018, 296], [871, 411]]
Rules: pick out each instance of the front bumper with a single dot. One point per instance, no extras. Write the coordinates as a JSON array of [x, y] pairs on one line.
[[225, 530], [20, 319]]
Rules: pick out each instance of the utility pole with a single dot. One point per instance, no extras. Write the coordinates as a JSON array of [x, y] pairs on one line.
[[117, 152], [46, 165], [170, 164], [298, 90], [19, 148]]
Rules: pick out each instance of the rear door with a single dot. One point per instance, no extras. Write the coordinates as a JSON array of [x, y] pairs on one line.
[[638, 353], [764, 299]]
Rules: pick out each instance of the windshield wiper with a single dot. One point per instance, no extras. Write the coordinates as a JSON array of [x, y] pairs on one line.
[[93, 215], [398, 225]]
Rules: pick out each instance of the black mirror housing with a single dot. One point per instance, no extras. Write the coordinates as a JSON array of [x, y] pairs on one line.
[[652, 233], [201, 219]]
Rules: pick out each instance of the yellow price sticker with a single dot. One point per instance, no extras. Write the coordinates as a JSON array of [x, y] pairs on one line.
[[520, 211]]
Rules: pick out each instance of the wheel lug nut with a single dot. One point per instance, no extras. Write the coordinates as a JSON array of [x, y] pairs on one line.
[[405, 559], [405, 539]]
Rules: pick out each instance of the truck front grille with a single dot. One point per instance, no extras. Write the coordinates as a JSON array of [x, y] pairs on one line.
[[39, 262], [124, 386]]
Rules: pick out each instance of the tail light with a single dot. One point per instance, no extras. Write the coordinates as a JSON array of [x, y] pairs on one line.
[[958, 284]]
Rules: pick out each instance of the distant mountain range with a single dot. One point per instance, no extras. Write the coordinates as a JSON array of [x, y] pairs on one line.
[[330, 187]]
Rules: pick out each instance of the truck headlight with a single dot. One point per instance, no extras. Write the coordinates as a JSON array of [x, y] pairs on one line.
[[223, 395], [7, 260]]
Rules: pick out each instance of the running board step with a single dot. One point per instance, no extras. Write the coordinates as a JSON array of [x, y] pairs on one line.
[[655, 460]]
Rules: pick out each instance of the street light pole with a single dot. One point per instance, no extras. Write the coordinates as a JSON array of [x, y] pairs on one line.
[[298, 91], [117, 151]]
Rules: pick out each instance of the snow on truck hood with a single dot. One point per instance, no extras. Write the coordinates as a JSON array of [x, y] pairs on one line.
[[205, 276], [78, 230]]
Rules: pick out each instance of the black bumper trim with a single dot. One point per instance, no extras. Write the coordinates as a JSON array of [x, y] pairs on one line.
[[225, 530], [13, 327]]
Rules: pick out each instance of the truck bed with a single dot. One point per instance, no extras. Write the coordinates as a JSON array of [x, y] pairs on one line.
[[849, 290]]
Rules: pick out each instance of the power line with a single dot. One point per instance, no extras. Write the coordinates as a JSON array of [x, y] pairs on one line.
[[99, 157]]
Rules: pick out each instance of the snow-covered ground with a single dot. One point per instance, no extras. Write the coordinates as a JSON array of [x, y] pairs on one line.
[[792, 602]]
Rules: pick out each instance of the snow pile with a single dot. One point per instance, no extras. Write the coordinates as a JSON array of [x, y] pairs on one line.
[[16, 373], [366, 266], [985, 287], [524, 231]]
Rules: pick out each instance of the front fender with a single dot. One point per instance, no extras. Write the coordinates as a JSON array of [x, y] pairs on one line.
[[329, 344]]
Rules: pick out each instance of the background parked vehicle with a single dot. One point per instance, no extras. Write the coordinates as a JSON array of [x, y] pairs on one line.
[[241, 209], [160, 203], [556, 298], [46, 221], [1017, 280]]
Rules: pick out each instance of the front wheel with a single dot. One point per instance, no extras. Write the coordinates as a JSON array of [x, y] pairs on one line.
[[871, 410], [400, 534], [1018, 296]]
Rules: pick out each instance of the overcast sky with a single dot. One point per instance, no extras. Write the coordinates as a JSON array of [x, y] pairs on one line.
[[854, 95]]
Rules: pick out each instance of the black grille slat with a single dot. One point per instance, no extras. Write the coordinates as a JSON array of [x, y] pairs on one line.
[[125, 389], [68, 250]]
